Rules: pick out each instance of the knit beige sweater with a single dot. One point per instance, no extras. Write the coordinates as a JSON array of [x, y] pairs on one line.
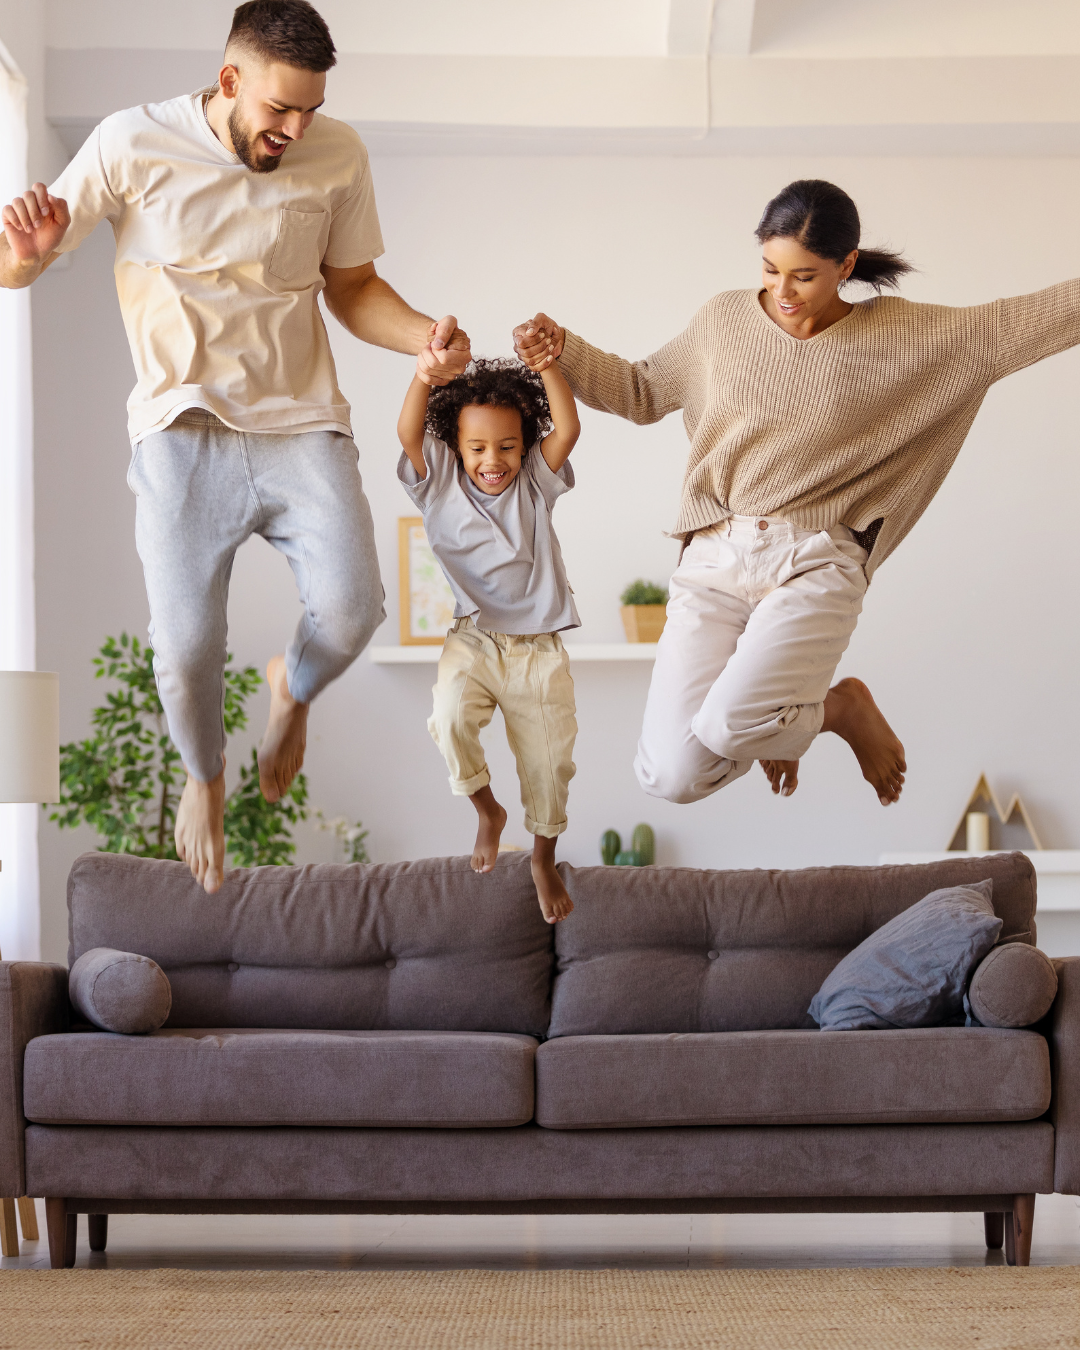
[[858, 424]]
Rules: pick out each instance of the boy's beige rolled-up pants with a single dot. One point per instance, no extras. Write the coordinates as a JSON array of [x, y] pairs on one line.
[[759, 615], [528, 678]]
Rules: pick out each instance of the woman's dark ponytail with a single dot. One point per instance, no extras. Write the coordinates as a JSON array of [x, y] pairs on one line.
[[825, 221]]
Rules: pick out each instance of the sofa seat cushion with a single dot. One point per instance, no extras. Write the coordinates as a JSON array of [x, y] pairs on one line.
[[949, 1074], [439, 1080]]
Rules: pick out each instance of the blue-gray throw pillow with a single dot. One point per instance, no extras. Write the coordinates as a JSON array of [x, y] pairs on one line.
[[914, 970]]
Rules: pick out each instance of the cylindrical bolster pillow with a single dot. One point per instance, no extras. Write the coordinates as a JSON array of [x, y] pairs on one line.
[[1013, 986], [119, 991]]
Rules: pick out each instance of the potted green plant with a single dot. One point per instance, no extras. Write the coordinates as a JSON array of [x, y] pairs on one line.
[[644, 611], [125, 780]]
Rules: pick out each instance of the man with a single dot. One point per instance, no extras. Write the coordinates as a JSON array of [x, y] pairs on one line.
[[232, 209]]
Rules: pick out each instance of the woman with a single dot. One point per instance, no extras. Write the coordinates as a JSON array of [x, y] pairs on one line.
[[819, 432]]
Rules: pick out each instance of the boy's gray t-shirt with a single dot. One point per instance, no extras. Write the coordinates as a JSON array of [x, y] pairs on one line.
[[499, 553]]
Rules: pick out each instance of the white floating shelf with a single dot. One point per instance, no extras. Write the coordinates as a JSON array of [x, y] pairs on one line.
[[577, 651], [1057, 871]]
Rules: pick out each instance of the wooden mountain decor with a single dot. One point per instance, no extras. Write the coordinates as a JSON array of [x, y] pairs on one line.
[[1009, 829]]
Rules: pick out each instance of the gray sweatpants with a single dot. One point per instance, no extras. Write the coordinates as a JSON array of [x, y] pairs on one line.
[[202, 489]]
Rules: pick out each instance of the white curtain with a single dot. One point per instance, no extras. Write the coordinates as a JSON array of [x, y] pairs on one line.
[[20, 928]]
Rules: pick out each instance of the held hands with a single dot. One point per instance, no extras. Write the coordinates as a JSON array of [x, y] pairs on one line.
[[446, 354], [539, 342], [35, 224]]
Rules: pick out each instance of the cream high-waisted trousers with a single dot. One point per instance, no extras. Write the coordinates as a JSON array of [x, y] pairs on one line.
[[758, 617], [529, 679]]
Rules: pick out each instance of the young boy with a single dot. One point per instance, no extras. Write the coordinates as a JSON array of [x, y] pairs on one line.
[[485, 460]]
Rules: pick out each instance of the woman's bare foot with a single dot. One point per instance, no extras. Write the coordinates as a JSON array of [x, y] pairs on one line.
[[851, 712], [783, 774], [281, 750], [555, 904], [489, 832], [200, 831]]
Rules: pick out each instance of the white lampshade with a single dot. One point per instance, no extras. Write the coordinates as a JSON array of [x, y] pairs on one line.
[[29, 736]]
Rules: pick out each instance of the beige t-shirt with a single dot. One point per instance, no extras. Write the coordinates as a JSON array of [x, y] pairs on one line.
[[217, 268]]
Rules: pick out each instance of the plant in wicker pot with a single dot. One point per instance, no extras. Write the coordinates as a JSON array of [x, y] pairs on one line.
[[644, 611]]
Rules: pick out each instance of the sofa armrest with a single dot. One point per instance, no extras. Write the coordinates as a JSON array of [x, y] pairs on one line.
[[1064, 1033], [33, 1002]]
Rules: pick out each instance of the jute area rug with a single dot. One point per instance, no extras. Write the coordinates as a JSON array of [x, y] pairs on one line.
[[992, 1308]]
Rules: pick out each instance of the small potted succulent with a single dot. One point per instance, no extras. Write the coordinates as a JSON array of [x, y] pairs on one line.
[[644, 611]]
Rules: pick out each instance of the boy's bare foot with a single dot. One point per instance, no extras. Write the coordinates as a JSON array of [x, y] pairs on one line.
[[200, 831], [851, 712], [555, 904], [783, 774], [492, 821], [281, 750]]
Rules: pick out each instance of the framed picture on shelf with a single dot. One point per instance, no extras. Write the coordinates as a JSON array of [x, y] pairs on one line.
[[426, 600]]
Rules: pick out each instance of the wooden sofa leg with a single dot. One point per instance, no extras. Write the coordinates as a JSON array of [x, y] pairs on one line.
[[1018, 1226], [98, 1224], [994, 1228], [63, 1230], [9, 1231], [28, 1219]]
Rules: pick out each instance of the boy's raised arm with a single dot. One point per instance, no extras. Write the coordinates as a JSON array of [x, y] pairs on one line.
[[410, 427], [538, 355], [564, 414]]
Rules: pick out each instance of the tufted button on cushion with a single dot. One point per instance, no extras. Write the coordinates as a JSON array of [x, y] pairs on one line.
[[713, 956], [391, 964], [232, 967], [120, 991]]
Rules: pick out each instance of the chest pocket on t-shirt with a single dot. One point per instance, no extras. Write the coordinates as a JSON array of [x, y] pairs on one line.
[[297, 253]]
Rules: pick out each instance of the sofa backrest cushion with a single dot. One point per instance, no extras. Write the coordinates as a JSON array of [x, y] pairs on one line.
[[652, 950], [426, 946]]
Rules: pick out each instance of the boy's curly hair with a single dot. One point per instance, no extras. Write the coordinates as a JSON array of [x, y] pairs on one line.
[[495, 383]]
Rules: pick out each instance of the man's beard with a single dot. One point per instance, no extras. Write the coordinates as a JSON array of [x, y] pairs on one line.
[[244, 145]]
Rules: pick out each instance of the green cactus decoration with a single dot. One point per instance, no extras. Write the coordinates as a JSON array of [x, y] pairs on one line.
[[610, 847], [644, 844], [641, 853]]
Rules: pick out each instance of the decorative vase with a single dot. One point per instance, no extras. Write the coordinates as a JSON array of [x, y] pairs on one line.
[[643, 623]]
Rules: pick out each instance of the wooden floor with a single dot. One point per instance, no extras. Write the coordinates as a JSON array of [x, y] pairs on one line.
[[577, 1242]]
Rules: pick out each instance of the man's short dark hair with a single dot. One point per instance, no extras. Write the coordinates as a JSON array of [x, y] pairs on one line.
[[290, 31]]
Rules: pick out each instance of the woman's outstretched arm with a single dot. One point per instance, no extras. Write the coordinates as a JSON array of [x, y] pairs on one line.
[[1029, 328], [641, 391]]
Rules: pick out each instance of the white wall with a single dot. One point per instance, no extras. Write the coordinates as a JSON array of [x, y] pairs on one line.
[[968, 638]]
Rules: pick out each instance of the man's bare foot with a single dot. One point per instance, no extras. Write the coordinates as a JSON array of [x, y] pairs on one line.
[[492, 821], [851, 712], [200, 831], [783, 774], [555, 904], [281, 750]]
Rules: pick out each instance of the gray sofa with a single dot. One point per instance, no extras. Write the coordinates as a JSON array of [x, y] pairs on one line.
[[413, 1038]]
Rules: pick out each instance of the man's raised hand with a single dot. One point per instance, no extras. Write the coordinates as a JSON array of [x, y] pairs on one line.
[[35, 224], [446, 355], [539, 342]]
